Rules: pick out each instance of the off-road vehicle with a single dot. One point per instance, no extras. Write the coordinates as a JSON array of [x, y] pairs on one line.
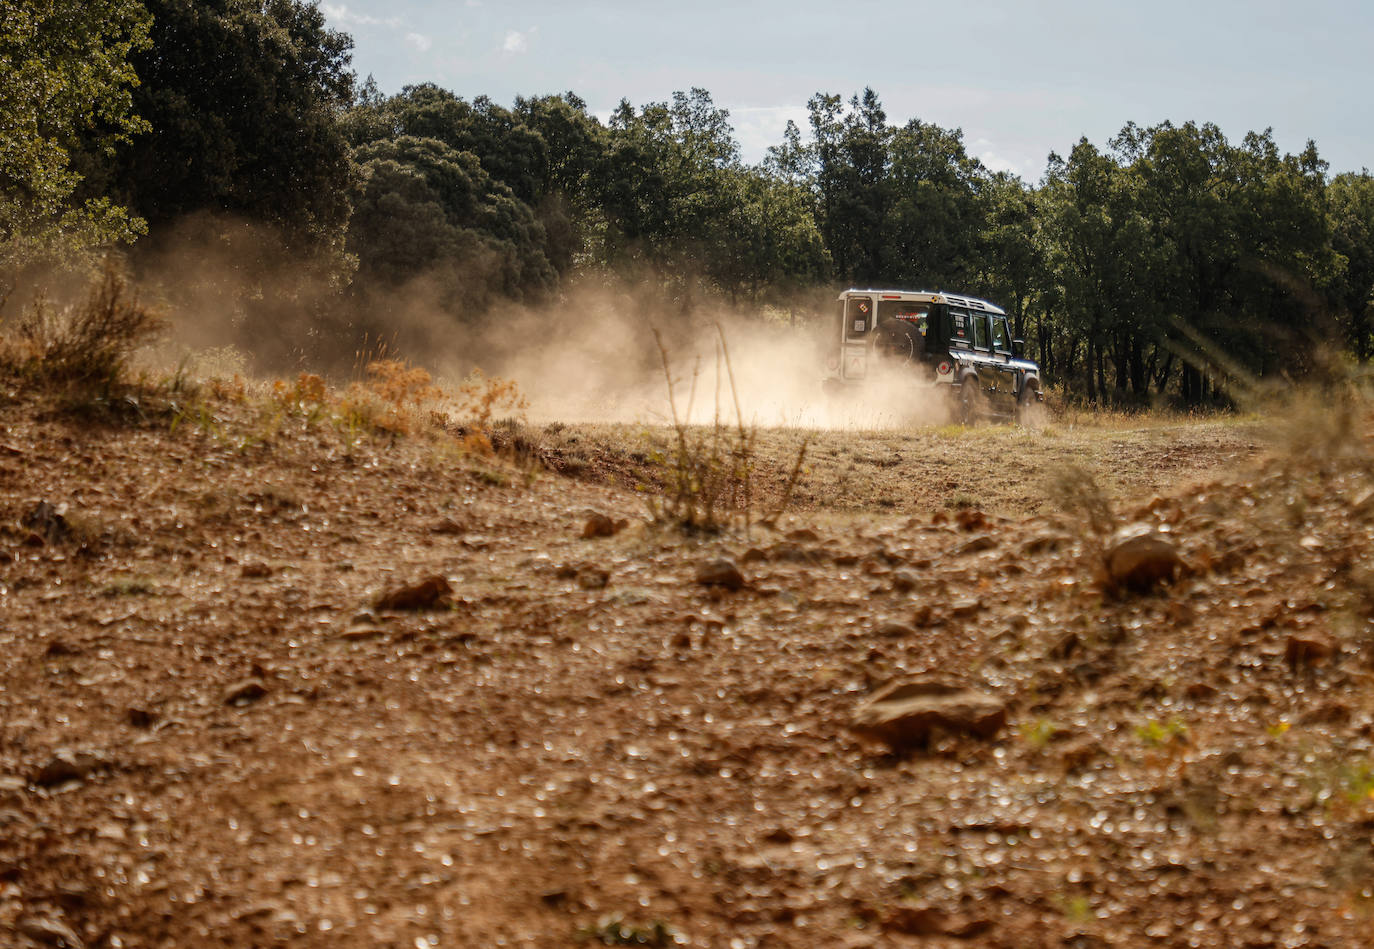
[[961, 345]]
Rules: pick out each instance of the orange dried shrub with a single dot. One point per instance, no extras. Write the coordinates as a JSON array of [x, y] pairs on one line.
[[230, 390], [308, 391], [400, 385], [482, 400], [392, 395]]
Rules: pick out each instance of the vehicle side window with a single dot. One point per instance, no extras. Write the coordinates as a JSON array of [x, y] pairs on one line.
[[1000, 341], [960, 333], [980, 331], [860, 313]]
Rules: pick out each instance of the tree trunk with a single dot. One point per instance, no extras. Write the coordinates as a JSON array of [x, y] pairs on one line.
[[1139, 378], [1191, 386], [1088, 374], [1162, 379], [1101, 376], [1120, 356]]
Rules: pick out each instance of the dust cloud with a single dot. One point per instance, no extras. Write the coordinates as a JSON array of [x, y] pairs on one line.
[[594, 357], [238, 303]]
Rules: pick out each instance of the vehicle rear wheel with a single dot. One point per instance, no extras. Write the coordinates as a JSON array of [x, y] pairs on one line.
[[969, 400]]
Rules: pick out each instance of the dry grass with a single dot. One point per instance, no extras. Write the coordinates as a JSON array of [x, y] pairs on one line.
[[83, 349]]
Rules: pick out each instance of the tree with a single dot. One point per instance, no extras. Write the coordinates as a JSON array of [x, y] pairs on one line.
[[1351, 199], [426, 209], [67, 81], [1009, 262], [244, 98], [507, 149], [1099, 255], [1246, 243], [544, 149], [768, 238], [663, 190], [933, 224], [851, 161], [792, 161], [575, 146]]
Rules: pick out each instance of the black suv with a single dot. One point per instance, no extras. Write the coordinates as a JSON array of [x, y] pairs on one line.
[[947, 340]]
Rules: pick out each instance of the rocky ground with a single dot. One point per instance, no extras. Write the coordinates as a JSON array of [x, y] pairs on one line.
[[289, 685]]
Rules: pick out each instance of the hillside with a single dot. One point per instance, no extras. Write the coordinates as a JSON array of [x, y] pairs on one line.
[[213, 732]]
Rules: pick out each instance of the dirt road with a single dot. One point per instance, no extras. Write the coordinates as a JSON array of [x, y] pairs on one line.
[[212, 734]]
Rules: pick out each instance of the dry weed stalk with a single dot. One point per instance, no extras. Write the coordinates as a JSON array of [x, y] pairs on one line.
[[792, 479], [1077, 494], [706, 471]]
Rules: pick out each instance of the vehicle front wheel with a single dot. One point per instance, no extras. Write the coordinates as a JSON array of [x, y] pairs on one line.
[[1029, 410]]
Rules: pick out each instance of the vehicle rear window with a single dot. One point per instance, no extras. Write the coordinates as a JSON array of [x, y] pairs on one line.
[[860, 313]]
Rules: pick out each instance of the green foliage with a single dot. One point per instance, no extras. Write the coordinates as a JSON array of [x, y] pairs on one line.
[[507, 149], [676, 199], [243, 97], [1351, 205], [1159, 734], [766, 238], [851, 162], [428, 209], [1009, 261], [67, 80], [936, 214]]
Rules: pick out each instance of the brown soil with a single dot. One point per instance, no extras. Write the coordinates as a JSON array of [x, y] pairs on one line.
[[998, 469], [210, 737]]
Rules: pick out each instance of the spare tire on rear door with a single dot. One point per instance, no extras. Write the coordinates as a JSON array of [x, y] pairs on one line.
[[899, 342]]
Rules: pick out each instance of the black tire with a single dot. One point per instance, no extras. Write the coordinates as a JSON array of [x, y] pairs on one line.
[[1028, 407], [899, 342], [969, 400]]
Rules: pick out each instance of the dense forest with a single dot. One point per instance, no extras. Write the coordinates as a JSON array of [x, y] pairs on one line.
[[1165, 263]]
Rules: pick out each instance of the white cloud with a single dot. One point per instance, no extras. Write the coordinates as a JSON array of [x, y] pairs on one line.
[[995, 162], [419, 41], [758, 128], [345, 17], [516, 42]]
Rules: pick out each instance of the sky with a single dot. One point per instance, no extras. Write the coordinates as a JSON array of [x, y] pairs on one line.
[[1021, 79]]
